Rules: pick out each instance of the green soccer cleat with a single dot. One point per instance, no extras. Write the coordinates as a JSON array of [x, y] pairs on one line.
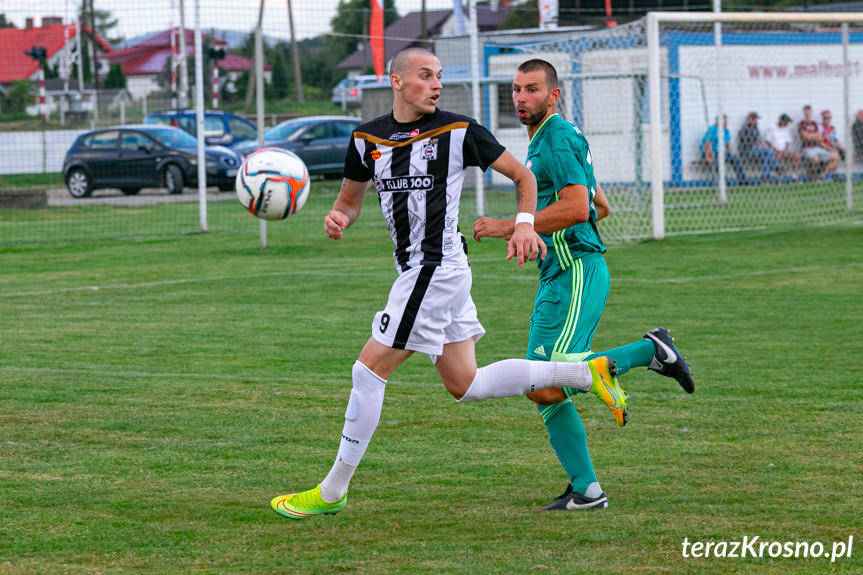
[[606, 387], [306, 504]]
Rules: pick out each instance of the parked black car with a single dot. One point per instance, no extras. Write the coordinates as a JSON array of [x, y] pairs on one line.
[[135, 157], [320, 141], [220, 128]]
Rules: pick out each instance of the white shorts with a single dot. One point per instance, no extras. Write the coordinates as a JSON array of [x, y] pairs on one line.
[[817, 153], [428, 306]]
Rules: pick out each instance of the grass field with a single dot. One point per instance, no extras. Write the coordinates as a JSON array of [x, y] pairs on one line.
[[31, 181], [155, 393]]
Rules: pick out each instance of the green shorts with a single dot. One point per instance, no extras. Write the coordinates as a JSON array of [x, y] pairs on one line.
[[567, 310]]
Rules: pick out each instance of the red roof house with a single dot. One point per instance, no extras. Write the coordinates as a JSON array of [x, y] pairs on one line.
[[142, 62], [16, 65]]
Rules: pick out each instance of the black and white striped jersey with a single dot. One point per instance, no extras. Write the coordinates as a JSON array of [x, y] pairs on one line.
[[418, 170]]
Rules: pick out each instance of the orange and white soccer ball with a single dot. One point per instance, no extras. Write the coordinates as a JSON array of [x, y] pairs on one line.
[[272, 183]]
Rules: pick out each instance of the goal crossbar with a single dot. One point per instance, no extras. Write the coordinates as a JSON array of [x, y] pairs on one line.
[[782, 17]]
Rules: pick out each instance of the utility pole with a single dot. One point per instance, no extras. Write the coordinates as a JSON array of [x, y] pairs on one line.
[[250, 88], [38, 53], [173, 34], [423, 31], [367, 44], [94, 57], [184, 72], [94, 51], [298, 77], [79, 49]]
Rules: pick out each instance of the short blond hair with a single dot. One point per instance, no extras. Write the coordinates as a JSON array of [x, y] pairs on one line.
[[400, 60]]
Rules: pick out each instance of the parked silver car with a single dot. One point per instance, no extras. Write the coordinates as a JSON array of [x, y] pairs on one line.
[[350, 90]]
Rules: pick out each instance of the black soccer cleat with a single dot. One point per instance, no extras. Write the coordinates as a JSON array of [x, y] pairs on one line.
[[569, 500], [667, 360]]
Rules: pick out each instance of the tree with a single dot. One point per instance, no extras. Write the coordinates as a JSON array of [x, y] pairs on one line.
[[351, 18], [115, 79], [85, 63], [281, 71], [4, 23], [318, 64], [105, 22], [522, 16], [20, 95]]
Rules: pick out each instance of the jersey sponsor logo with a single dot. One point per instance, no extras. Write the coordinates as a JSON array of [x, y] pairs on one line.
[[403, 135], [376, 155], [540, 350], [405, 184], [429, 150], [415, 132]]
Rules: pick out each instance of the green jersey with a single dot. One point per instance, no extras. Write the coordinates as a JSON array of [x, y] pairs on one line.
[[559, 156]]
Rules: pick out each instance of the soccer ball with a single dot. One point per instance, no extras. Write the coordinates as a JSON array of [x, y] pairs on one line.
[[272, 183]]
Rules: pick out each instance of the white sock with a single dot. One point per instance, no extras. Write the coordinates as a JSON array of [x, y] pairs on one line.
[[513, 377], [593, 490], [335, 484], [361, 420]]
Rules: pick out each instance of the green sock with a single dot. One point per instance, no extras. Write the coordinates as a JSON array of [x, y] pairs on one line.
[[635, 354], [569, 441]]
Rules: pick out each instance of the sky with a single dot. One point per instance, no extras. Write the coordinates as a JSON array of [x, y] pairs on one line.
[[311, 17]]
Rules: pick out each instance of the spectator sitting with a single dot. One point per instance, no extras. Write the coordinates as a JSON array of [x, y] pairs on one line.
[[829, 139], [779, 138], [710, 143], [812, 144], [751, 147], [857, 133]]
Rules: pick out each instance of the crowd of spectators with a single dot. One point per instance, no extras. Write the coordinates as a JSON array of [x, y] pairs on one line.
[[774, 153]]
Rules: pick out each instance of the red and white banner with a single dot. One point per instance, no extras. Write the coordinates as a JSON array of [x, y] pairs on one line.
[[215, 86], [42, 92], [376, 38]]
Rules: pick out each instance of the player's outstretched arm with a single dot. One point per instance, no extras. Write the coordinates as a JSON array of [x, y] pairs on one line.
[[487, 227], [572, 207], [525, 244], [346, 208]]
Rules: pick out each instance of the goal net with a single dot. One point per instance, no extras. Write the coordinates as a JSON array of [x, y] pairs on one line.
[[648, 125]]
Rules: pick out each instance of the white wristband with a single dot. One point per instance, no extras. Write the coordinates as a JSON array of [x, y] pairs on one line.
[[524, 217]]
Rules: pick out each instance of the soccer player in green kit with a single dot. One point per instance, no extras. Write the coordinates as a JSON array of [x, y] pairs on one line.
[[573, 277]]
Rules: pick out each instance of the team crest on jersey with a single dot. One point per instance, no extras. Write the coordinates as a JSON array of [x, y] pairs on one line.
[[429, 150], [376, 155]]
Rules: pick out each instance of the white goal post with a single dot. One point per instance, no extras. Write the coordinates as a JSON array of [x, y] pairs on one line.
[[657, 42]]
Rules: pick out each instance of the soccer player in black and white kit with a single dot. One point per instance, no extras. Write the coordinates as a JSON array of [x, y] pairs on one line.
[[416, 156]]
